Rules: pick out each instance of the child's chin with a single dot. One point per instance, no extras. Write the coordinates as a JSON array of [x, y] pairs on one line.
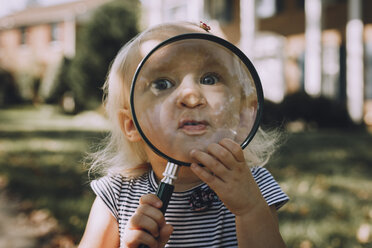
[[183, 157]]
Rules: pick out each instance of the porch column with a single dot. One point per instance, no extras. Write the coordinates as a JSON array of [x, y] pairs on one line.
[[69, 43], [195, 10], [354, 61], [155, 12], [247, 26], [313, 50]]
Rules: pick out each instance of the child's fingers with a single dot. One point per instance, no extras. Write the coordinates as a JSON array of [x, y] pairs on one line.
[[149, 217], [164, 236], [152, 200], [223, 155], [144, 222], [211, 163], [151, 212], [234, 149], [212, 181], [134, 238]]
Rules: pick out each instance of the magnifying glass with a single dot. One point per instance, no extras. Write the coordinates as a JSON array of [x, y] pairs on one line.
[[192, 90]]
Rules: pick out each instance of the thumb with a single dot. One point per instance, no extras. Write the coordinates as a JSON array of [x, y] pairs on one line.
[[164, 236]]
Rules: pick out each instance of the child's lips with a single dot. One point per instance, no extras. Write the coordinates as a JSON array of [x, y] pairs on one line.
[[193, 127]]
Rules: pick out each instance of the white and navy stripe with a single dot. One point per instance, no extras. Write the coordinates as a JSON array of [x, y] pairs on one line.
[[214, 227]]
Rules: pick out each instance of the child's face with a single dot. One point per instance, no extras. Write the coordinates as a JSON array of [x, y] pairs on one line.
[[189, 94]]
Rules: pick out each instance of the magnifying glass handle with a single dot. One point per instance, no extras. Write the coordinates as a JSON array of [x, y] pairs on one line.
[[164, 193], [166, 187]]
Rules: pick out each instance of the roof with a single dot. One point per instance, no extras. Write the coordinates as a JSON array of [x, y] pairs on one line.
[[49, 14]]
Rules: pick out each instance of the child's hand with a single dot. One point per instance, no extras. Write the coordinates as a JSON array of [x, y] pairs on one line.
[[227, 173], [147, 226]]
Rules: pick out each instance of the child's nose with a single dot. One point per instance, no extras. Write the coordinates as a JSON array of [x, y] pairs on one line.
[[190, 95]]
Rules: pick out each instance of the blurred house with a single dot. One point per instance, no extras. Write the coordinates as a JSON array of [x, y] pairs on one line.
[[33, 41], [323, 47]]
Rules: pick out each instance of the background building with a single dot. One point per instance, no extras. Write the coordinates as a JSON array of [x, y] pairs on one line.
[[33, 41]]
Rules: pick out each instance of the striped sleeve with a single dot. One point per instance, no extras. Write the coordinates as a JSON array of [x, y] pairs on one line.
[[108, 188], [270, 189]]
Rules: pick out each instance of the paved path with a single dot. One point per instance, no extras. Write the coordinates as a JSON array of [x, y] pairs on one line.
[[33, 230], [20, 230], [16, 231]]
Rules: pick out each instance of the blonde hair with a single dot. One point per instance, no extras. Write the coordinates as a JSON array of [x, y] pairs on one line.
[[117, 154]]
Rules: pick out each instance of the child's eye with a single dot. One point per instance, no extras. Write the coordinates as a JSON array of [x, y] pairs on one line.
[[209, 79], [161, 84]]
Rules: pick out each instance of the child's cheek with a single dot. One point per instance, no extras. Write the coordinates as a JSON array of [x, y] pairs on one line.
[[224, 107]]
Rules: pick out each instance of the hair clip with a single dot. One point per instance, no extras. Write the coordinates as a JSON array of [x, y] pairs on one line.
[[204, 26]]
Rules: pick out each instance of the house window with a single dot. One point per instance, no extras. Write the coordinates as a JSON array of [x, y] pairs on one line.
[[24, 35], [221, 10], [54, 32]]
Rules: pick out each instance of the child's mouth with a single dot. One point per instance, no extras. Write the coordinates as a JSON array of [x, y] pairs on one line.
[[192, 127]]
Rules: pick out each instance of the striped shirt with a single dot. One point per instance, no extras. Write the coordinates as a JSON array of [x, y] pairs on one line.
[[212, 227]]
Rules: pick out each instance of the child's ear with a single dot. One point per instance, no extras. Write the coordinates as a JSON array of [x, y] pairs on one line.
[[127, 125]]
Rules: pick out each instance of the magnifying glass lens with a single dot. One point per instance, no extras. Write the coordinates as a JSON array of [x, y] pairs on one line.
[[189, 93]]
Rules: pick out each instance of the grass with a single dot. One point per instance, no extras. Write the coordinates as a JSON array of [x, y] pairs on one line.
[[48, 173], [327, 175], [41, 163]]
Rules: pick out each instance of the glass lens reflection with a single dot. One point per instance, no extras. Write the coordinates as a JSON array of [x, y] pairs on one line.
[[191, 93]]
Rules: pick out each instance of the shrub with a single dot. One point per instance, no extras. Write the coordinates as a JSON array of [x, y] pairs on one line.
[[9, 93], [60, 83], [320, 112], [272, 114], [100, 39]]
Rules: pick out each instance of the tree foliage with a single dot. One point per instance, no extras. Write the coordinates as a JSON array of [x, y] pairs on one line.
[[318, 112], [9, 93], [99, 40]]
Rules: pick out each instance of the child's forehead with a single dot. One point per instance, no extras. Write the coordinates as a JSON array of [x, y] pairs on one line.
[[179, 55], [191, 55]]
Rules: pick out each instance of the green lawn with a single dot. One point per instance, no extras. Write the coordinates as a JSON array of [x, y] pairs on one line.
[[41, 162], [327, 175]]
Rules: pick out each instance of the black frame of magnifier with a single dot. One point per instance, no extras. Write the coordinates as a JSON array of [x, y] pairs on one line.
[[220, 41]]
